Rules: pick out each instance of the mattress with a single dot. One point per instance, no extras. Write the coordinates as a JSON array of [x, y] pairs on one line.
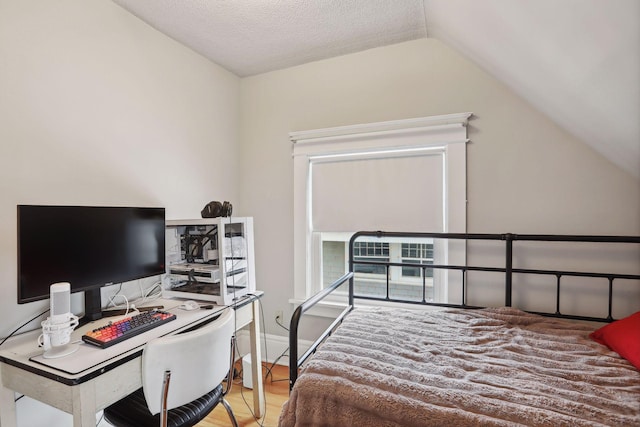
[[489, 367]]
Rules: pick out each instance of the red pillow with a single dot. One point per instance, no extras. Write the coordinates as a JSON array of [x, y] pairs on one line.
[[623, 337]]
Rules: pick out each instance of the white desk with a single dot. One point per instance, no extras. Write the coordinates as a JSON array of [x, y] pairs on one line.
[[85, 393]]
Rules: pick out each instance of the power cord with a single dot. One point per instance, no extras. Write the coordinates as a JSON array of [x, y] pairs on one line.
[[283, 354], [274, 363], [113, 296], [126, 300], [16, 330], [149, 294], [23, 325], [280, 324]]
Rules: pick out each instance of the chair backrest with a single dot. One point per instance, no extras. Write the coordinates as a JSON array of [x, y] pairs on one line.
[[198, 360]]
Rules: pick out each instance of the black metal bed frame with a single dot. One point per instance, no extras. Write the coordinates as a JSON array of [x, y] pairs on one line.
[[296, 362]]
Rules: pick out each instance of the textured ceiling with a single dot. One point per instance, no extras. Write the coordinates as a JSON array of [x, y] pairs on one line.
[[577, 61], [250, 37]]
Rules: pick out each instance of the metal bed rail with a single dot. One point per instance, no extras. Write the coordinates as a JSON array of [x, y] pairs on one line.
[[296, 362], [508, 270]]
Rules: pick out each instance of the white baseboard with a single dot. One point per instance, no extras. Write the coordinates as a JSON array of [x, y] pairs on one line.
[[272, 347]]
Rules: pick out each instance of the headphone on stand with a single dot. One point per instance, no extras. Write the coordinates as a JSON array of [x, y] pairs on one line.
[[215, 209]]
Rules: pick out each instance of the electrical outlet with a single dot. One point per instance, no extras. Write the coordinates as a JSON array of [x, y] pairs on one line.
[[279, 316]]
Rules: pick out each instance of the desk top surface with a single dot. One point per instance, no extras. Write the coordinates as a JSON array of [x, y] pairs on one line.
[[90, 361]]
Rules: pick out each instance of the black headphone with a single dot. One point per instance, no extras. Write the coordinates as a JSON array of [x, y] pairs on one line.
[[216, 209]]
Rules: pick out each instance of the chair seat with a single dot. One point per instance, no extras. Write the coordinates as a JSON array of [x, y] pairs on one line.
[[132, 411]]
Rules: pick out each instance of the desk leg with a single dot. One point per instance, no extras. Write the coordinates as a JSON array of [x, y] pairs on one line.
[[84, 405], [256, 361], [8, 415]]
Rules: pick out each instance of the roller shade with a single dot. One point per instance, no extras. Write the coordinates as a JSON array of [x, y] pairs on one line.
[[381, 193]]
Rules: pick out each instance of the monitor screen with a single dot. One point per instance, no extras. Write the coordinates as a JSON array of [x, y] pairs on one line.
[[88, 246]]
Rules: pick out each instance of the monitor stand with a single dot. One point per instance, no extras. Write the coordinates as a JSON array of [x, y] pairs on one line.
[[92, 306]]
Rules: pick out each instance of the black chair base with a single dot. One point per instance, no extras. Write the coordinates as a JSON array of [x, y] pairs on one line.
[[132, 411]]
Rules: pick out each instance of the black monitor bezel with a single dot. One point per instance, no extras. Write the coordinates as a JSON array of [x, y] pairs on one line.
[[92, 291]]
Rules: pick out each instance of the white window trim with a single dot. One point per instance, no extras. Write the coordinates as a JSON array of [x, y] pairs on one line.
[[447, 132]]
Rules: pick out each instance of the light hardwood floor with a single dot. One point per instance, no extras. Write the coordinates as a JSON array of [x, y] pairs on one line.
[[241, 400]]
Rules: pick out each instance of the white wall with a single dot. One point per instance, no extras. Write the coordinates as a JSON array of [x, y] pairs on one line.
[[525, 175], [98, 108]]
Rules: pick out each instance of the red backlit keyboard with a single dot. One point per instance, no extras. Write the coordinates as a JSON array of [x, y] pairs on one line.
[[118, 331]]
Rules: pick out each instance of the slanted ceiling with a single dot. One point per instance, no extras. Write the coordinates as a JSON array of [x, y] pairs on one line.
[[577, 61]]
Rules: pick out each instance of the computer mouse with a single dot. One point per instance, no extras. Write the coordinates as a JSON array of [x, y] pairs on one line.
[[190, 305]]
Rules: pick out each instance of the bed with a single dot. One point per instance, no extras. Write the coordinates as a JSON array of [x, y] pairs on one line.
[[465, 365]]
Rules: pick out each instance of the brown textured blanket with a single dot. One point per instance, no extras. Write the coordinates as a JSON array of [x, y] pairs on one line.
[[491, 367]]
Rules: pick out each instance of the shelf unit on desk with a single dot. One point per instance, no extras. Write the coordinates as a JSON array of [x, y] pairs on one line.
[[210, 259]]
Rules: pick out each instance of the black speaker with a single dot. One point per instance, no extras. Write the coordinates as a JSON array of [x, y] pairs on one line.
[[216, 209]]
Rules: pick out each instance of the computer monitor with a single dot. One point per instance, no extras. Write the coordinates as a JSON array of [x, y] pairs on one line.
[[89, 247]]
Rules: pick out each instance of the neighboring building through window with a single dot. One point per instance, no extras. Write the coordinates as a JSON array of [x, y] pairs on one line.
[[371, 280], [370, 251], [417, 253]]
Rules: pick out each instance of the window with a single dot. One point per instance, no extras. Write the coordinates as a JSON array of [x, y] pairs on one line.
[[371, 280], [404, 175], [370, 251], [417, 253]]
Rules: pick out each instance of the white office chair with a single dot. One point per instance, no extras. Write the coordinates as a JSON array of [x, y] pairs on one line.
[[181, 378]]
